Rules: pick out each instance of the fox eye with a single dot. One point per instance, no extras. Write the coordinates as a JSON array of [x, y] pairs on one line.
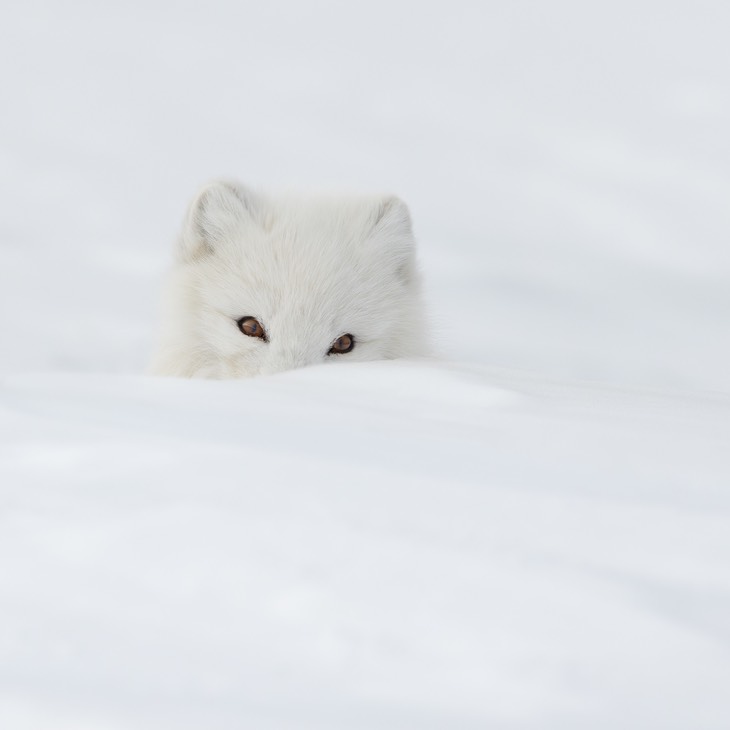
[[343, 344], [252, 327]]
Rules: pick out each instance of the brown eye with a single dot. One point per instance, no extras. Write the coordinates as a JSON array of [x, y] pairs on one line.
[[343, 344], [252, 327]]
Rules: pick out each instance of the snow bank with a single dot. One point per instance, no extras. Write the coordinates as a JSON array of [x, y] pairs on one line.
[[382, 545]]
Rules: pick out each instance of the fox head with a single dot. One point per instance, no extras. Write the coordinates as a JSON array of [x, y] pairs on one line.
[[262, 285]]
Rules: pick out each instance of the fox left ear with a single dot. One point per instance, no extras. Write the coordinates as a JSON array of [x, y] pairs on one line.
[[393, 228], [215, 214]]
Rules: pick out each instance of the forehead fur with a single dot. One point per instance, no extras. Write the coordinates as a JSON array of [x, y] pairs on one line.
[[305, 252]]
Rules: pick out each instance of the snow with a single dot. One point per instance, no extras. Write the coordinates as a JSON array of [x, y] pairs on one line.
[[529, 532]]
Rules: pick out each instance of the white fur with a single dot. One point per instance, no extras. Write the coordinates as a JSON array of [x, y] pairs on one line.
[[309, 270]]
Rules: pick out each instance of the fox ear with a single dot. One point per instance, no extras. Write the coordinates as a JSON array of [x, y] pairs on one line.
[[216, 212], [393, 231], [392, 218]]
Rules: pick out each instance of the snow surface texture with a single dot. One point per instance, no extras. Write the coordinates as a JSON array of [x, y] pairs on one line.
[[532, 534]]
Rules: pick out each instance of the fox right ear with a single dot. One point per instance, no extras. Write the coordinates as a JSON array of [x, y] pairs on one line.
[[214, 215]]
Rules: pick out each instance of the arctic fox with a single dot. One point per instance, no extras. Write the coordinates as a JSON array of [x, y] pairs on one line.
[[263, 284]]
